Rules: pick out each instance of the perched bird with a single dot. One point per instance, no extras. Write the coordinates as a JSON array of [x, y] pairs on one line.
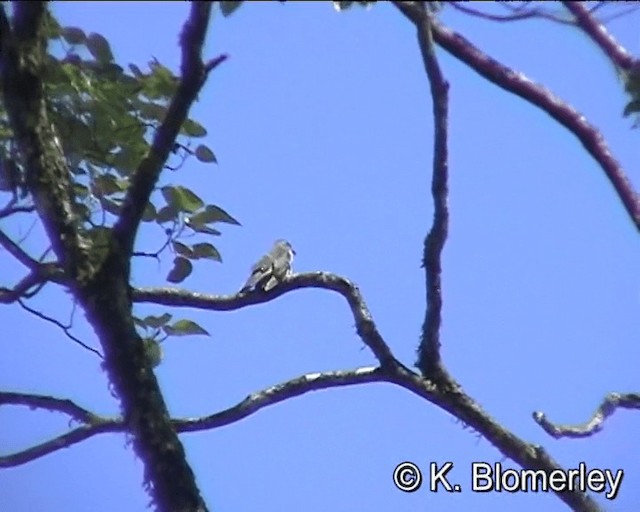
[[272, 268]]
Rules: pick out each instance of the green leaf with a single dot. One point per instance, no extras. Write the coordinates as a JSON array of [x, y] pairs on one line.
[[228, 7], [632, 81], [193, 129], [139, 322], [153, 351], [99, 47], [106, 184], [149, 214], [73, 35], [150, 110], [52, 27], [207, 251], [207, 230], [182, 267], [161, 83], [211, 213], [82, 211], [136, 71], [204, 154], [181, 198], [80, 190], [112, 207], [155, 322], [200, 219], [126, 160], [166, 214], [182, 249], [631, 107], [184, 328], [341, 6]]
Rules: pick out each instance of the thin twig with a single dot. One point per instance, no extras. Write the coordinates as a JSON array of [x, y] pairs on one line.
[[517, 15], [65, 328], [609, 405]]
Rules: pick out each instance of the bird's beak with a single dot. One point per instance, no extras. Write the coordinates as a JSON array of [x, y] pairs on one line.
[[293, 251]]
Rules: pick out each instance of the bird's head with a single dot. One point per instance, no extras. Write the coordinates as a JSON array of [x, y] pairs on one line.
[[285, 245]]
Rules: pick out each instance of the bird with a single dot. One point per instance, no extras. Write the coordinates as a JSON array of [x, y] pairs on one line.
[[272, 268]]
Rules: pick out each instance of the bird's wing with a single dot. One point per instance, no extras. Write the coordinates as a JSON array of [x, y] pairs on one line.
[[265, 263], [270, 283], [262, 269]]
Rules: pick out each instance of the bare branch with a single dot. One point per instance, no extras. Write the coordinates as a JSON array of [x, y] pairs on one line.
[[10, 210], [98, 425], [608, 406], [517, 14], [517, 83], [10, 295], [57, 443], [156, 255], [365, 325], [16, 251], [65, 328], [450, 398], [599, 34], [93, 425], [44, 273], [281, 392], [606, 19], [194, 73], [429, 360], [50, 403]]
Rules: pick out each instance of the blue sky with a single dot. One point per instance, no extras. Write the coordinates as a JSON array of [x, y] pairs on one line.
[[321, 123]]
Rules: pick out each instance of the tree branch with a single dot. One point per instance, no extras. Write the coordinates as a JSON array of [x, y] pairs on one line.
[[194, 73], [429, 360], [36, 278], [451, 399], [520, 14], [106, 299], [50, 403], [365, 325], [10, 295], [94, 424], [443, 392], [608, 406], [281, 392], [599, 34], [17, 252], [517, 83], [10, 210], [22, 58]]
